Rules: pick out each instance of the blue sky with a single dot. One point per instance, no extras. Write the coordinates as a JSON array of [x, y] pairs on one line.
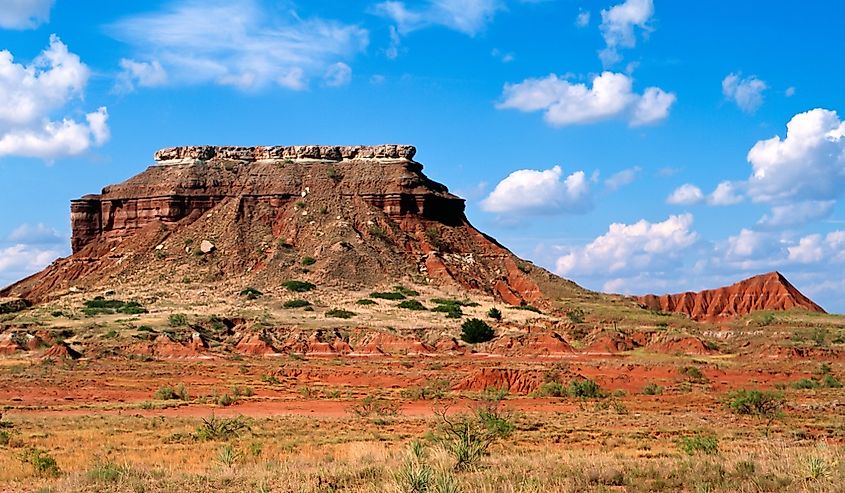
[[632, 146]]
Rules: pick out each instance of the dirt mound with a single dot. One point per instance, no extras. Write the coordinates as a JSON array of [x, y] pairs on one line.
[[368, 215], [165, 347], [61, 351], [680, 345], [513, 380], [382, 343], [256, 345], [610, 344], [764, 292], [8, 345]]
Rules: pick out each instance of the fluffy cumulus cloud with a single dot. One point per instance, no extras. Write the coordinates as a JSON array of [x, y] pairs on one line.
[[630, 248], [31, 94], [467, 16], [24, 14], [529, 191], [618, 27], [249, 47], [610, 95], [27, 249], [686, 194], [747, 92], [583, 18], [808, 164]]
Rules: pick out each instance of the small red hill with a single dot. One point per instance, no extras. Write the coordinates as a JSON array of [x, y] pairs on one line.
[[764, 292]]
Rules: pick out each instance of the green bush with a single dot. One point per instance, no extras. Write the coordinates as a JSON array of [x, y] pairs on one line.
[[451, 301], [693, 374], [298, 286], [584, 388], [805, 383], [831, 382], [576, 315], [552, 389], [411, 305], [527, 308], [652, 389], [102, 306], [168, 393], [388, 295], [494, 313], [214, 428], [297, 303], [178, 320], [699, 443], [451, 311], [467, 437], [366, 301], [41, 461], [474, 331], [308, 261], [251, 293], [406, 291], [764, 404], [339, 313]]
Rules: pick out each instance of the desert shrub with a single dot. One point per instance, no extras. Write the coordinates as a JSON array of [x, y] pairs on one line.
[[452, 301], [529, 308], [388, 295], [298, 286], [830, 382], [378, 232], [467, 437], [339, 313], [5, 438], [652, 389], [433, 389], [552, 389], [333, 174], [576, 315], [494, 313], [474, 331], [819, 336], [699, 443], [584, 388], [43, 464], [297, 303], [227, 455], [308, 261], [693, 374], [406, 291], [107, 473], [238, 392], [177, 320], [225, 399], [370, 405], [102, 306], [219, 429], [412, 305], [767, 405], [805, 383], [451, 311], [167, 393], [251, 293], [366, 301], [824, 368]]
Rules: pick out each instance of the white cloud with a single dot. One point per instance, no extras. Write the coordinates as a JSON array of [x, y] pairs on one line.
[[808, 250], [686, 194], [567, 103], [797, 213], [24, 14], [141, 74], [747, 92], [789, 92], [541, 192], [338, 74], [237, 44], [809, 164], [466, 16], [583, 18], [746, 244], [504, 57], [622, 178], [34, 234], [30, 94], [726, 193], [631, 248], [617, 27]]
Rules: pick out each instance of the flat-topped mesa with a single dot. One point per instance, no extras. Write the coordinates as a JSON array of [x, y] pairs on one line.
[[307, 152]]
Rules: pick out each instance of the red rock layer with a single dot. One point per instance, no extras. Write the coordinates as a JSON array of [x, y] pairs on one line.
[[764, 292]]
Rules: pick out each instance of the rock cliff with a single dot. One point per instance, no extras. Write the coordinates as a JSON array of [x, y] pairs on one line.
[[361, 215], [764, 292]]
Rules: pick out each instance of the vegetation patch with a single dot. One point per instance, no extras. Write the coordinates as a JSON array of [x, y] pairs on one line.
[[412, 305], [251, 293], [308, 261], [169, 393], [298, 286], [366, 301], [388, 295], [474, 331], [339, 313], [297, 303], [102, 306]]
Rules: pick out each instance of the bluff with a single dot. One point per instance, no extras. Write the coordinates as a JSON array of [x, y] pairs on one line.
[[764, 292], [357, 216]]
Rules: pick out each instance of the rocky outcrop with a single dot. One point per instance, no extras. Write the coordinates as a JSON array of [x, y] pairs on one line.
[[367, 213], [764, 292]]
